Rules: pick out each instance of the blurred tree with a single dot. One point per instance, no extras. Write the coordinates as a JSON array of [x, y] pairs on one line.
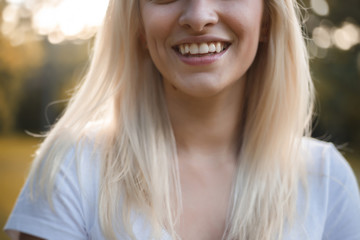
[[32, 74], [344, 10], [336, 72], [15, 63], [61, 71]]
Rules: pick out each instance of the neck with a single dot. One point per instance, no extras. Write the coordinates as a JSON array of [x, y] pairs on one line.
[[208, 127]]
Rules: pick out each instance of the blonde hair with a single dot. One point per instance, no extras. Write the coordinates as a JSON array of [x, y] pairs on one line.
[[123, 94]]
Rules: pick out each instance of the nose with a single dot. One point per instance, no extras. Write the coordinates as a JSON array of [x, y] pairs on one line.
[[198, 15]]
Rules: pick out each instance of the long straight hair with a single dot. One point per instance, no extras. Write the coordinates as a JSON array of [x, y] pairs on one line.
[[123, 94]]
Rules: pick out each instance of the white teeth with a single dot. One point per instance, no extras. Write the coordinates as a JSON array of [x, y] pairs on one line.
[[201, 48], [194, 49], [218, 47], [204, 48], [182, 49], [212, 48], [187, 49]]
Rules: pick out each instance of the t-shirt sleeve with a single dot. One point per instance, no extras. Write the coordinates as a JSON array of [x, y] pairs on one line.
[[343, 207], [64, 219]]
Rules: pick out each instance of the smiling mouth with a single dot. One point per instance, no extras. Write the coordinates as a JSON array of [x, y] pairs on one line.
[[201, 49]]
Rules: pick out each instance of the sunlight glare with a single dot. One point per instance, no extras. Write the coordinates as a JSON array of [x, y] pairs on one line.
[[15, 1], [57, 20], [44, 21], [70, 17], [10, 13]]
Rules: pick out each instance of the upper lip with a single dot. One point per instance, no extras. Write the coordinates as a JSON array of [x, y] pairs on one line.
[[201, 39]]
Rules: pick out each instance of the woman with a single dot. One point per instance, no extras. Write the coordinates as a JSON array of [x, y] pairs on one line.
[[190, 124]]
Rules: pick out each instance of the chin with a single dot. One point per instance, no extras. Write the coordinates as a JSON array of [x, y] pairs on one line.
[[201, 90], [200, 85]]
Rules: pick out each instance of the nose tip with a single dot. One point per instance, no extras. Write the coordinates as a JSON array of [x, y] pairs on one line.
[[198, 15]]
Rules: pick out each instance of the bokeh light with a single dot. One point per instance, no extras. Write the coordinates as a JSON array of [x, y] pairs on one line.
[[322, 37], [57, 20], [346, 36], [320, 7], [327, 35]]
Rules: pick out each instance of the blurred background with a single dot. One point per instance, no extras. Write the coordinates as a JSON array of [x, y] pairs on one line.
[[44, 50]]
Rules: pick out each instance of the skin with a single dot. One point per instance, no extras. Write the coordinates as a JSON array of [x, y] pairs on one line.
[[205, 102]]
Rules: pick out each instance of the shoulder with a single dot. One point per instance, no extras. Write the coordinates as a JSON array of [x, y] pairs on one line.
[[326, 168], [332, 200], [72, 211], [324, 160]]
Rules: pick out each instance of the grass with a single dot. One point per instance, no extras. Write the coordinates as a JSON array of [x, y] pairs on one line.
[[15, 158]]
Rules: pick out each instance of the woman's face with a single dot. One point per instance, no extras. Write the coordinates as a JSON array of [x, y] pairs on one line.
[[202, 47]]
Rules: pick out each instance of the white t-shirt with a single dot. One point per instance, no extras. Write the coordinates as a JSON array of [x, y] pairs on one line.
[[333, 203]]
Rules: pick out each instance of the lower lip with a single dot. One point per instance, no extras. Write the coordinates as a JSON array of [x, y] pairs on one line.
[[201, 60]]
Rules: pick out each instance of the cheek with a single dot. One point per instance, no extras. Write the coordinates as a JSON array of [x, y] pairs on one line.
[[244, 18], [247, 30], [157, 23], [156, 34]]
